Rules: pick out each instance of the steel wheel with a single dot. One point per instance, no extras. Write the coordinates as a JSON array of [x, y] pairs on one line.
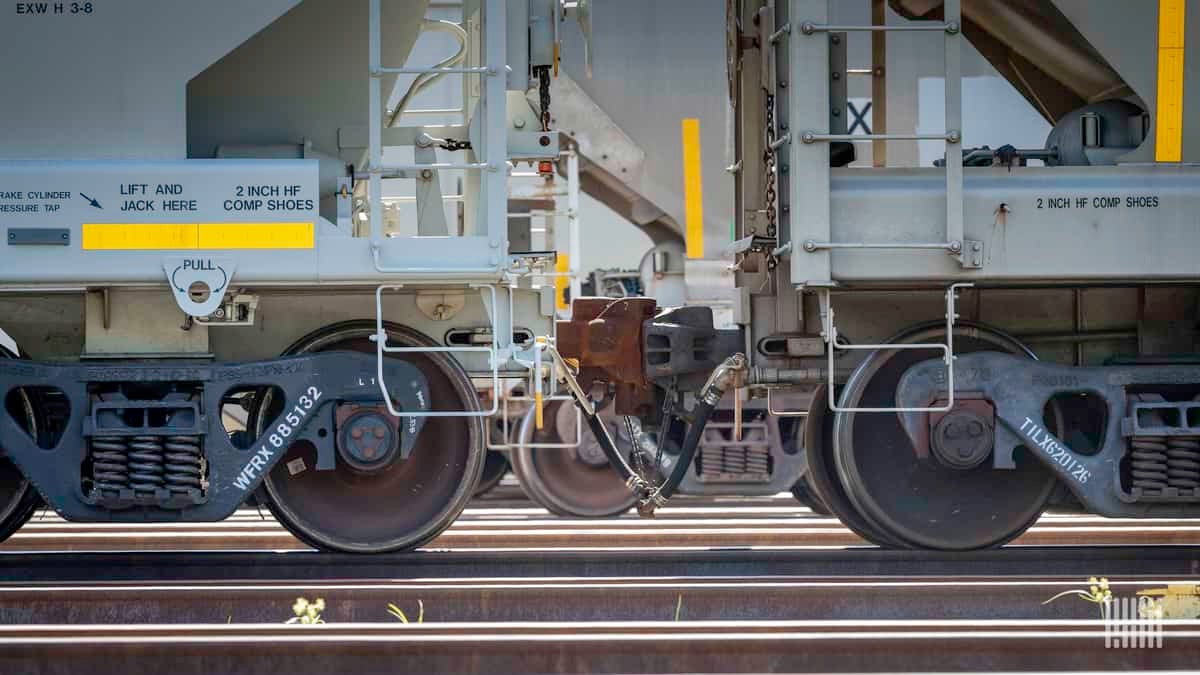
[[495, 465], [822, 475], [570, 481], [804, 493], [406, 502], [925, 502], [18, 498]]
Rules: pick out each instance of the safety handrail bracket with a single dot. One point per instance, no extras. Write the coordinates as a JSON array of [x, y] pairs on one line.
[[829, 332], [382, 348]]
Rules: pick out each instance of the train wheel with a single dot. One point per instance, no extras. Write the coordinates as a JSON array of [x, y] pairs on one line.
[[403, 503], [937, 502], [495, 465], [18, 498], [804, 493], [822, 475], [570, 481]]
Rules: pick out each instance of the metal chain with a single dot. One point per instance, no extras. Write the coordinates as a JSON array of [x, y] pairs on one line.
[[454, 145], [769, 161], [543, 73]]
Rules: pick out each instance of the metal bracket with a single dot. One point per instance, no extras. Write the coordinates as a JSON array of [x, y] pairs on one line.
[[382, 348], [829, 332], [199, 283]]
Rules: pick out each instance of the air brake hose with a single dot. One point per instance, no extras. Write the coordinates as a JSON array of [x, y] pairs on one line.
[[649, 499]]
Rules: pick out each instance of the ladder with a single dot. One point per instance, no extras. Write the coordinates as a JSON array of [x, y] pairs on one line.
[[808, 55], [478, 260], [808, 31], [480, 256]]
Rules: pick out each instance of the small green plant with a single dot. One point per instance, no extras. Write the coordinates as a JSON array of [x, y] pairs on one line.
[[678, 606], [307, 612], [1097, 593], [399, 613]]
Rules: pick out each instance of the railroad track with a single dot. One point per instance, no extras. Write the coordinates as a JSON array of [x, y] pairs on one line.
[[577, 647], [735, 524], [735, 586]]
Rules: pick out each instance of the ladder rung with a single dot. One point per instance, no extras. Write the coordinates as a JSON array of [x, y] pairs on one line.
[[808, 28], [444, 166], [488, 70], [810, 137]]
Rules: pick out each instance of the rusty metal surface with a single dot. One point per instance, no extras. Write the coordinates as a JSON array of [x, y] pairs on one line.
[[718, 646], [606, 336], [563, 599]]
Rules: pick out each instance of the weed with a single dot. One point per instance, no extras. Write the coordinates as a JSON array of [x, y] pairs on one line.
[[399, 613]]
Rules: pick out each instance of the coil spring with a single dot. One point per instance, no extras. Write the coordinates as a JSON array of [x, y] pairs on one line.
[[146, 470], [1183, 461], [717, 459], [110, 465], [147, 464], [1161, 462], [184, 465]]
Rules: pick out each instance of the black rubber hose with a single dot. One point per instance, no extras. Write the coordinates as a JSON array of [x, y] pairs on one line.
[[614, 456], [691, 442]]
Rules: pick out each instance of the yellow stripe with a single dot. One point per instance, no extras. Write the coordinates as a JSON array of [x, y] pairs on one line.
[[192, 236], [256, 235], [1168, 122], [693, 189], [139, 236], [562, 283]]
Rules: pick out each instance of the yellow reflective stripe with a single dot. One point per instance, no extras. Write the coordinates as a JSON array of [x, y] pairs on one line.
[[561, 283], [256, 235], [1168, 122], [192, 236], [139, 236], [693, 189]]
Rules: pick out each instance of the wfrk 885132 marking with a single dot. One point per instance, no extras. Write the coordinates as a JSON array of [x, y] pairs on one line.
[[276, 440]]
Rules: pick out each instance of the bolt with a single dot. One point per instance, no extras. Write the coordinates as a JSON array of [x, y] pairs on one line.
[[810, 246], [783, 169], [379, 432], [976, 246], [836, 75], [544, 141], [426, 174], [783, 84], [808, 28], [835, 39], [808, 137], [956, 246], [356, 433], [952, 27], [836, 112]]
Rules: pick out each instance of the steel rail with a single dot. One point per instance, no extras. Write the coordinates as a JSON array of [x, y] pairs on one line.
[[1069, 561], [727, 646]]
